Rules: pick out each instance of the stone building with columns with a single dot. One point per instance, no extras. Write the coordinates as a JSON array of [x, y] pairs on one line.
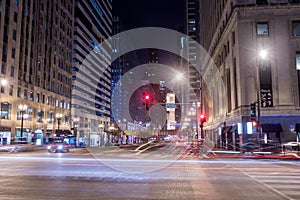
[[256, 47]]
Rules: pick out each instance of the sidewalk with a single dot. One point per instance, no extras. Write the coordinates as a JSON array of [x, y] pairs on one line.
[[253, 155]]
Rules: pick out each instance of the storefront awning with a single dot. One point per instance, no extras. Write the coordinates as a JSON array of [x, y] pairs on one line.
[[271, 128], [67, 132], [63, 133]]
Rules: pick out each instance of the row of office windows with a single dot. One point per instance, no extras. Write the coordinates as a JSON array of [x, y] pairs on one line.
[[38, 97], [30, 114], [262, 28]]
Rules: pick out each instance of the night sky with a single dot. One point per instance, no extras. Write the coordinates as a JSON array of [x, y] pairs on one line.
[[154, 13], [151, 13]]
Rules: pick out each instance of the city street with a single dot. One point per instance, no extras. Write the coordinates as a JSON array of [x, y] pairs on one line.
[[82, 175]]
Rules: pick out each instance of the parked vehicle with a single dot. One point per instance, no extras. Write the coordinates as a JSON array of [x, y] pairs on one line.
[[59, 147]]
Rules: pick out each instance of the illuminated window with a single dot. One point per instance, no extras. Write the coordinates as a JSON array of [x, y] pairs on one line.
[[296, 28], [298, 60], [40, 116], [298, 74], [262, 29], [5, 111]]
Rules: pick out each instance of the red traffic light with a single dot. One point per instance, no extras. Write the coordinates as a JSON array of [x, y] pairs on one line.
[[147, 97], [255, 123], [202, 118]]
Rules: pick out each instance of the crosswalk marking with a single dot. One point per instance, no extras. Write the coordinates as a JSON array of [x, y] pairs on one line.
[[283, 186], [279, 177], [285, 183], [292, 193]]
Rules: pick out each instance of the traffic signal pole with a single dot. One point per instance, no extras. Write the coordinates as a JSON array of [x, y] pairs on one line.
[[258, 103], [201, 109]]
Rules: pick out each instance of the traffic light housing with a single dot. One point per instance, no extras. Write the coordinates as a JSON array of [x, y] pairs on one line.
[[147, 98], [253, 111], [202, 118]]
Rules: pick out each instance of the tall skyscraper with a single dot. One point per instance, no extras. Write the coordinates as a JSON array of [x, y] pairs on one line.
[[91, 71], [36, 43], [192, 30], [189, 48], [153, 56], [117, 69]]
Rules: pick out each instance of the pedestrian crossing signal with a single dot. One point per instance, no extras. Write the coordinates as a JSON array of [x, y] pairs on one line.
[[252, 111], [255, 123]]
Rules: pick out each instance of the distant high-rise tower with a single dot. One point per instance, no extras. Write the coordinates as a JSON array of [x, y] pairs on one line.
[[192, 30], [153, 56], [117, 69]]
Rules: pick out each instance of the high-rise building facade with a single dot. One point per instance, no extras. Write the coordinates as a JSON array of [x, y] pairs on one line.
[[91, 71], [255, 45], [117, 69], [36, 58], [153, 56], [190, 48], [192, 30]]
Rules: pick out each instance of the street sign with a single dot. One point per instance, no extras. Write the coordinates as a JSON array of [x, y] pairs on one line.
[[171, 106], [266, 98]]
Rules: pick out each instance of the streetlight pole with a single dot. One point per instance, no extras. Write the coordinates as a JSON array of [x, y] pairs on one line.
[[22, 108], [58, 117], [263, 54], [100, 139], [201, 108]]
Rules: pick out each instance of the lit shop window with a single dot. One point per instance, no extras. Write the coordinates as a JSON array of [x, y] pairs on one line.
[[298, 60]]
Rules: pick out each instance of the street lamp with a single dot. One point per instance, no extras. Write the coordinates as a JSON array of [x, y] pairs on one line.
[[263, 55], [58, 117], [3, 82], [22, 108]]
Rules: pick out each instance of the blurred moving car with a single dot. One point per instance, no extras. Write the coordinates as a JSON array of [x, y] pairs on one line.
[[251, 147], [59, 147], [292, 146]]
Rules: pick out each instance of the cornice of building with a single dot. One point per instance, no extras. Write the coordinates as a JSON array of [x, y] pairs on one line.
[[230, 17]]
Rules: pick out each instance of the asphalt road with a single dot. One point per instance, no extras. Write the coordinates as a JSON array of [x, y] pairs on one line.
[[82, 174]]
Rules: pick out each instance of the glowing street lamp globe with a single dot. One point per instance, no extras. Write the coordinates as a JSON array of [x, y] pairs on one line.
[[263, 54]]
